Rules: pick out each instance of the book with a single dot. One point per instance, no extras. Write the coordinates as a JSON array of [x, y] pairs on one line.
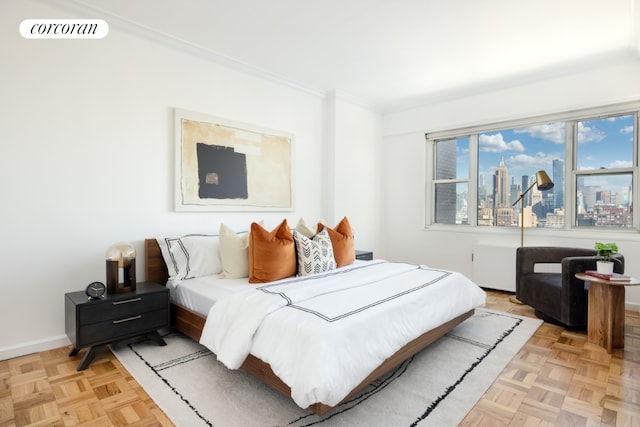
[[615, 277]]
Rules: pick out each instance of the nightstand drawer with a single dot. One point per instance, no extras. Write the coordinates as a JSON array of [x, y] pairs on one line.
[[122, 307], [123, 327], [96, 322]]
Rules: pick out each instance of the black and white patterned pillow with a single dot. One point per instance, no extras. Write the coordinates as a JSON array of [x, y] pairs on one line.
[[315, 254]]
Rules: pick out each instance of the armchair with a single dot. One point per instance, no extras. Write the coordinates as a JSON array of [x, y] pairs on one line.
[[558, 298]]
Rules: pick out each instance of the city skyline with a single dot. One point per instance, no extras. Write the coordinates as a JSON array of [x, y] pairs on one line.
[[510, 158], [602, 143]]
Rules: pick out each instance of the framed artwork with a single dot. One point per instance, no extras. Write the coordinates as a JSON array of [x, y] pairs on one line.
[[222, 165]]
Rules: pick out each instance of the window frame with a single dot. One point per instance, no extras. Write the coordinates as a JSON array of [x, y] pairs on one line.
[[571, 173], [473, 168]]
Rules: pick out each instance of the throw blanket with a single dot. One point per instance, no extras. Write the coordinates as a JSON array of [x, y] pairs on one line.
[[323, 334]]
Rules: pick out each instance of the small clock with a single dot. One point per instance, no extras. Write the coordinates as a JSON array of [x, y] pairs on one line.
[[96, 290]]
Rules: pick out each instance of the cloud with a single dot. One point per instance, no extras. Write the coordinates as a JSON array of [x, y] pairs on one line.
[[526, 162], [552, 132], [589, 134], [617, 164], [616, 118], [497, 144], [627, 129]]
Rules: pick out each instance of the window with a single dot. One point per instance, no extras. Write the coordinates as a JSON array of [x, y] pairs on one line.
[[589, 156], [508, 160], [604, 176], [452, 181]]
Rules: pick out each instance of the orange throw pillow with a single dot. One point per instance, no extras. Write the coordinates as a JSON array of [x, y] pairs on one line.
[[272, 255], [342, 240]]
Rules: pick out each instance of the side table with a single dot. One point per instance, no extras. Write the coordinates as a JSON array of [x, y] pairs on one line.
[[364, 255], [94, 323], [605, 321]]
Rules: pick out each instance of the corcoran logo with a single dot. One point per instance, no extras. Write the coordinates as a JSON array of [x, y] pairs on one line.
[[64, 29]]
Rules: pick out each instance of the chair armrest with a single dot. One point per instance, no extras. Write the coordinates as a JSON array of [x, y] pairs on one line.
[[528, 257], [573, 265], [580, 264]]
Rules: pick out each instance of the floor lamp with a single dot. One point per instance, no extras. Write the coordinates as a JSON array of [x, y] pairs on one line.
[[543, 183]]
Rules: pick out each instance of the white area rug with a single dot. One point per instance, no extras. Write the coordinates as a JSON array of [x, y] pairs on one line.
[[437, 387]]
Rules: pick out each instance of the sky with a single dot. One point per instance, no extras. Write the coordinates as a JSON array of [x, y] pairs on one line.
[[603, 143]]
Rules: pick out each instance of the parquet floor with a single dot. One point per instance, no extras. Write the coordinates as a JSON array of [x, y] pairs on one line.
[[44, 389], [557, 379]]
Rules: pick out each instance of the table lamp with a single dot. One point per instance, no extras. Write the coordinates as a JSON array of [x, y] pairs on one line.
[[121, 268]]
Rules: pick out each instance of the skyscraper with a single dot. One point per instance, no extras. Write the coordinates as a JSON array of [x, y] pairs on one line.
[[501, 186], [558, 184], [525, 185], [500, 191], [446, 193]]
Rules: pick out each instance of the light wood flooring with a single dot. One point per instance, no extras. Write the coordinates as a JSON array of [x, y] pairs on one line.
[[557, 379]]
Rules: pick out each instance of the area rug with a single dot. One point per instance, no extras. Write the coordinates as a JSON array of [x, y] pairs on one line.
[[436, 387]]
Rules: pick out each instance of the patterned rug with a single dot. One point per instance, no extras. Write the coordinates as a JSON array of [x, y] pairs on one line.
[[437, 387]]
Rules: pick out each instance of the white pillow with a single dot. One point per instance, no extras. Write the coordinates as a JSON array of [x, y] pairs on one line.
[[190, 256], [234, 253], [315, 255], [305, 230]]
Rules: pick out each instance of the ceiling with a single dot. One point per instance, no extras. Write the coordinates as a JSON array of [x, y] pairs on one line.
[[390, 55]]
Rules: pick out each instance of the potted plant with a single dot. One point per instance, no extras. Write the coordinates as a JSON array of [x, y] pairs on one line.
[[605, 252]]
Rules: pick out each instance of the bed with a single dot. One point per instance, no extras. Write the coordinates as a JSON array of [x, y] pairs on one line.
[[192, 323]]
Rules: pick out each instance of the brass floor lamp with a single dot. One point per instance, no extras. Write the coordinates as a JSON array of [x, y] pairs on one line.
[[543, 183]]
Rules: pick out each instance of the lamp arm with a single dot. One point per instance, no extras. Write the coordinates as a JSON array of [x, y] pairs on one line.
[[523, 194]]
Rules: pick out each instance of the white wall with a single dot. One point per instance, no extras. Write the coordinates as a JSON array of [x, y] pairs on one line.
[[354, 143], [87, 159], [404, 154]]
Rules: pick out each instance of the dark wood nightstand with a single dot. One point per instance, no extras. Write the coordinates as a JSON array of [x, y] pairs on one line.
[[94, 323], [364, 255]]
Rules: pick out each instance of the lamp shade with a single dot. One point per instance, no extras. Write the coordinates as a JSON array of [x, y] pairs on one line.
[[120, 252], [543, 182]]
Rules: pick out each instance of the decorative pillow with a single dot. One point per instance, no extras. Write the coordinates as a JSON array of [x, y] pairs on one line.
[[234, 253], [315, 254], [272, 255], [304, 229], [342, 241], [190, 256]]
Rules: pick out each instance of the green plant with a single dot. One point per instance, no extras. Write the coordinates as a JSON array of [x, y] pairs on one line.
[[606, 250]]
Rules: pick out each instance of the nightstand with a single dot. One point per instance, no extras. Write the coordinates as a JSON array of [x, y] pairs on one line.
[[364, 255], [94, 323]]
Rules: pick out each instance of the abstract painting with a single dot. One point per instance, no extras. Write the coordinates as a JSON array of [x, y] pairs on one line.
[[223, 165]]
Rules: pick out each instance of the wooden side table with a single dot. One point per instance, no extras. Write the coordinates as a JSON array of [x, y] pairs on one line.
[[605, 322]]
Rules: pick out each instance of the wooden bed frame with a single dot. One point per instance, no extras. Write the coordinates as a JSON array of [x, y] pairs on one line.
[[191, 323]]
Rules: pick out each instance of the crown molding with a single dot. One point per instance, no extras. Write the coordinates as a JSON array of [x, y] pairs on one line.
[[139, 30]]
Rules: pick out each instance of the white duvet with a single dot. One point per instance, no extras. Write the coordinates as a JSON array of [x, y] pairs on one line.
[[323, 334]]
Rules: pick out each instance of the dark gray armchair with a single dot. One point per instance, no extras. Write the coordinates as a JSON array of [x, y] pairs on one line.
[[558, 298]]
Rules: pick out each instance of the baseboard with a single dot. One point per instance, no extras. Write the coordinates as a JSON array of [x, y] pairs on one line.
[[33, 347], [632, 306]]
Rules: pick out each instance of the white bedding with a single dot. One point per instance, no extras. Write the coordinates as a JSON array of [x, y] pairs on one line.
[[323, 334], [201, 293]]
